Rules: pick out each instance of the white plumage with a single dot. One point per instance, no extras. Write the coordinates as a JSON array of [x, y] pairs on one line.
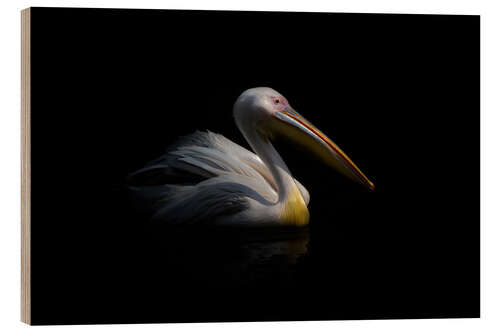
[[225, 173], [206, 178]]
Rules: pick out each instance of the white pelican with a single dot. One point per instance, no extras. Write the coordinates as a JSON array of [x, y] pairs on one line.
[[207, 178]]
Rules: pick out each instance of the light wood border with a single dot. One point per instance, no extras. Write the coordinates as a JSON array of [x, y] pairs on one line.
[[26, 166]]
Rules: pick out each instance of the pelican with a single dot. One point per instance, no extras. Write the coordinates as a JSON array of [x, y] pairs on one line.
[[206, 178]]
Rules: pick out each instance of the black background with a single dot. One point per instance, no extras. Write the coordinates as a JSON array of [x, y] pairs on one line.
[[398, 93]]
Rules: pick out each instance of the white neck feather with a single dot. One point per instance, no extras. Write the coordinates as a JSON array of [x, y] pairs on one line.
[[272, 159]]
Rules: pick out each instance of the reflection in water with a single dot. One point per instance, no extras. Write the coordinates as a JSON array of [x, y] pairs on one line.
[[231, 258], [289, 248]]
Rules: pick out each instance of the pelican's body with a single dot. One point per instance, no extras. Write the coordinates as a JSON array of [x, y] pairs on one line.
[[207, 178]]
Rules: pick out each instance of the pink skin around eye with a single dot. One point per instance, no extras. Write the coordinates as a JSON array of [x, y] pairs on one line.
[[282, 104]]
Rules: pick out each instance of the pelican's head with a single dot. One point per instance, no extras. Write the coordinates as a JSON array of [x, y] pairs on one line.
[[268, 113]]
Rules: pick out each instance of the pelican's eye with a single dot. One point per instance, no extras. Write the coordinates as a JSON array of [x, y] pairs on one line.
[[279, 103]]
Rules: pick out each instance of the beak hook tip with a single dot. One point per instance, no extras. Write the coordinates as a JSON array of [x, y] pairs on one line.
[[372, 187]]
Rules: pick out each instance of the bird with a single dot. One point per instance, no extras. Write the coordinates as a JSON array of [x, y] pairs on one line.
[[206, 179]]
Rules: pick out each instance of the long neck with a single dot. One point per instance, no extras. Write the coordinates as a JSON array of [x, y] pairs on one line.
[[266, 151], [290, 207]]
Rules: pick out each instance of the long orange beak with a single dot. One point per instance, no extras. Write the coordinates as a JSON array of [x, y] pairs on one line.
[[295, 127]]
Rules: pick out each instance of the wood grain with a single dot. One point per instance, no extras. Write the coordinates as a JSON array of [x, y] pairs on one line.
[[25, 166]]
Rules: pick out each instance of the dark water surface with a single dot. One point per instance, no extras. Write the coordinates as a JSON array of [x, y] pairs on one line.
[[129, 270], [234, 258]]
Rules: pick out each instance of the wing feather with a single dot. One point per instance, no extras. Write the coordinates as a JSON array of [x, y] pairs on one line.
[[201, 175]]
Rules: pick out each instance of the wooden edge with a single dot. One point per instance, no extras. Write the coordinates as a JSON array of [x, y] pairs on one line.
[[26, 166]]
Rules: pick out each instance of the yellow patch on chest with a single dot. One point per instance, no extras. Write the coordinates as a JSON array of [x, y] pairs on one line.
[[295, 211]]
